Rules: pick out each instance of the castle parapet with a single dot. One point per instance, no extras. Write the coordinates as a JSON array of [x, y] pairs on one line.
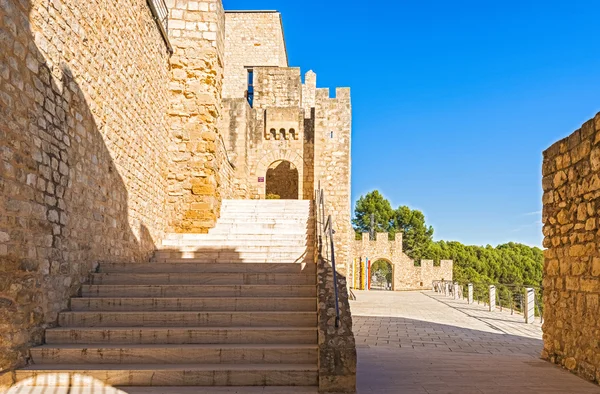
[[406, 276]]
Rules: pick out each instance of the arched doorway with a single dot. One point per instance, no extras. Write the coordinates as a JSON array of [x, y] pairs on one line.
[[382, 275], [282, 181]]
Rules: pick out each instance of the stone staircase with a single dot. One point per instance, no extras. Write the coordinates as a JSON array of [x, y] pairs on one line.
[[234, 307]]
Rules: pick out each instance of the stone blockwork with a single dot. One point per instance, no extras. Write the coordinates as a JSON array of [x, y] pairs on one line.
[[270, 116], [332, 163], [571, 183], [83, 164], [337, 346], [108, 140], [406, 276], [200, 174], [253, 39]]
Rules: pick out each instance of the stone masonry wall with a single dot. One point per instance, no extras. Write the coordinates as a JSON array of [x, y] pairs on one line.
[[253, 39], [82, 152], [200, 174], [571, 183], [332, 131], [406, 276]]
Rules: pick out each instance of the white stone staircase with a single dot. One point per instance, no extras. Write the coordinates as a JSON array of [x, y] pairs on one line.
[[234, 307]]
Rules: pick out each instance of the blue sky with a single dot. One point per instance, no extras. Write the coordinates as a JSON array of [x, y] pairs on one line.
[[453, 101]]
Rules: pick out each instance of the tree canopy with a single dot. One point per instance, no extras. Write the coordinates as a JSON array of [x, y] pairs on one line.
[[373, 203], [411, 222]]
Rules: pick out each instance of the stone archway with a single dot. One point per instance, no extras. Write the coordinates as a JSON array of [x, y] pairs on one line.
[[282, 181], [382, 274], [260, 172]]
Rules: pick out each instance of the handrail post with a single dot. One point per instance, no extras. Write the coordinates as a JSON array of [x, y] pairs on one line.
[[528, 311], [470, 293]]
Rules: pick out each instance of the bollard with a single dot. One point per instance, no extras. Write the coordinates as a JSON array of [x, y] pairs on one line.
[[446, 289], [470, 294], [492, 298], [455, 292], [529, 305]]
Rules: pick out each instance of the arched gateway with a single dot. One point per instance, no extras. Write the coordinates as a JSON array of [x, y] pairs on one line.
[[370, 259], [282, 181]]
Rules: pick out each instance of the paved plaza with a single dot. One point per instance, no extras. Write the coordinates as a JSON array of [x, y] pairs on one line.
[[424, 342]]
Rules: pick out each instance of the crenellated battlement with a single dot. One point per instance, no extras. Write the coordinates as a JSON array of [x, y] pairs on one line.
[[406, 275]]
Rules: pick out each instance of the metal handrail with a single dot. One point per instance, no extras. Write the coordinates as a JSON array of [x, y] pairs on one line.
[[326, 231], [508, 295]]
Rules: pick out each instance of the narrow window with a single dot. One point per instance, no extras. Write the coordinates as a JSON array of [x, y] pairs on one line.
[[331, 135], [273, 134], [250, 92], [293, 133], [282, 132]]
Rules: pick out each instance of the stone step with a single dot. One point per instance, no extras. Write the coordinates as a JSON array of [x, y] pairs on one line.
[[174, 354], [187, 319], [65, 375], [243, 237], [252, 230], [297, 256], [291, 217], [262, 222], [270, 237], [295, 304], [233, 244], [306, 258], [247, 250], [289, 268], [271, 203], [199, 291], [181, 335], [201, 278]]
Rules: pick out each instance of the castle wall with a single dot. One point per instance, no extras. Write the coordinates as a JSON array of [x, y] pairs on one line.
[[83, 165], [235, 124], [571, 184], [332, 130], [199, 174], [252, 39], [406, 276]]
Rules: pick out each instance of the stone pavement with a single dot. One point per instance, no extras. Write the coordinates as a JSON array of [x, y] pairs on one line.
[[423, 342]]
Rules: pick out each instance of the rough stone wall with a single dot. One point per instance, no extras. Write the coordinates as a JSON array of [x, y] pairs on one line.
[[82, 158], [571, 183], [200, 174], [337, 346], [234, 125], [406, 276], [253, 39], [277, 87], [332, 130]]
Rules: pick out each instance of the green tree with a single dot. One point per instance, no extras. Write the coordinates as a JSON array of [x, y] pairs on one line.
[[417, 236], [373, 203]]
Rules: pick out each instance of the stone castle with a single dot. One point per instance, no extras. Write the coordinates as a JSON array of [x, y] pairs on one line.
[[405, 274], [125, 121]]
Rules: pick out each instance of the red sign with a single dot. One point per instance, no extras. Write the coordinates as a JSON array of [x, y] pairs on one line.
[[261, 179]]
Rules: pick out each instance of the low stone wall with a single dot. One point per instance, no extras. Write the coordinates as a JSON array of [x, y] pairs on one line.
[[571, 183], [337, 347]]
